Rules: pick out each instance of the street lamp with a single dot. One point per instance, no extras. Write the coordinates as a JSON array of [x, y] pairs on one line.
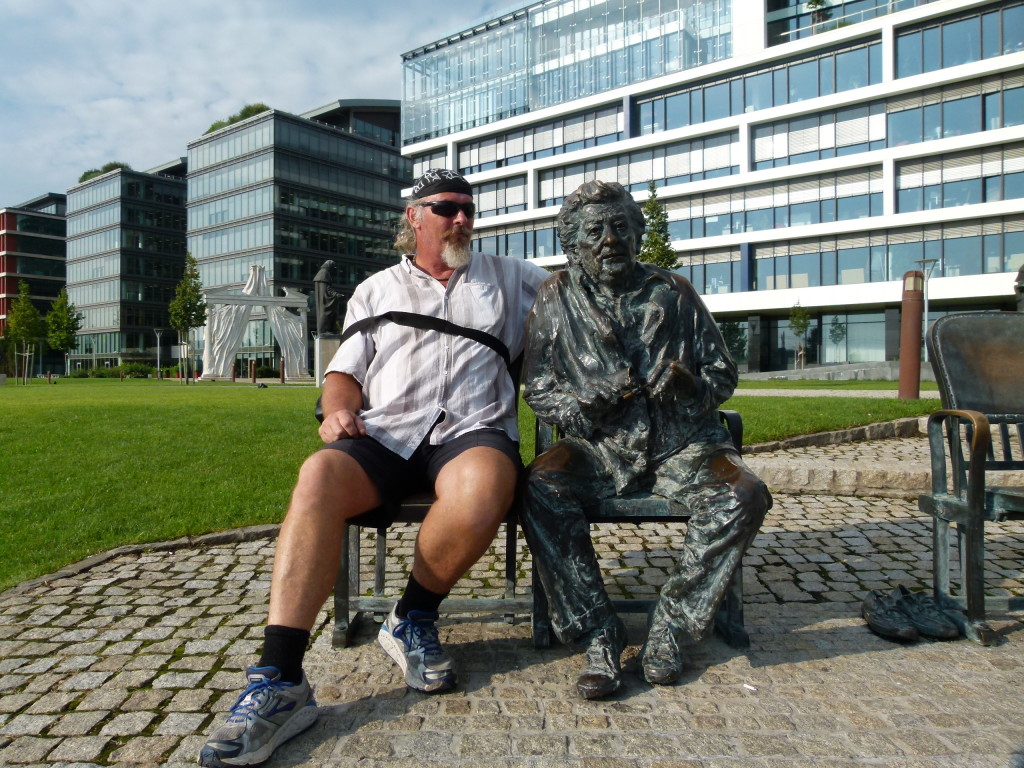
[[158, 331], [926, 267]]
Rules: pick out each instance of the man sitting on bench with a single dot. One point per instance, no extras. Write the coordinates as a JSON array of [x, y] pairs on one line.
[[627, 362], [418, 397]]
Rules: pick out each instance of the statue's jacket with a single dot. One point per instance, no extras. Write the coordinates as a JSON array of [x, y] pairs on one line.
[[578, 335]]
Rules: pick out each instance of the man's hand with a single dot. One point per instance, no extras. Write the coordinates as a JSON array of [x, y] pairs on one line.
[[672, 380], [342, 425], [604, 392]]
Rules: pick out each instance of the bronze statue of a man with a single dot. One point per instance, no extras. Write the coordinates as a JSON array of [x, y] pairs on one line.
[[328, 300], [627, 361]]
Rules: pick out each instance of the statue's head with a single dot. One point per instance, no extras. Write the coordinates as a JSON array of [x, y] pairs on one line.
[[600, 227], [328, 266]]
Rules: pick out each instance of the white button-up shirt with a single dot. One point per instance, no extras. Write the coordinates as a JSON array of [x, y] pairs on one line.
[[413, 378]]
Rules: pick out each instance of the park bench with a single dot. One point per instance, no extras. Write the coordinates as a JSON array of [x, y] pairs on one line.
[[350, 605], [974, 441]]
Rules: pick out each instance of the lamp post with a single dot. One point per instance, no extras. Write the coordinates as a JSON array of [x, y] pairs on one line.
[[158, 331], [926, 267]]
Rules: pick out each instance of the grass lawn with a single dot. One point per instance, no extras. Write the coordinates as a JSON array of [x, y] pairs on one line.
[[91, 464], [874, 384]]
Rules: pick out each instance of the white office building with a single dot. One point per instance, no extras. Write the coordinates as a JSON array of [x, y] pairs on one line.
[[806, 152]]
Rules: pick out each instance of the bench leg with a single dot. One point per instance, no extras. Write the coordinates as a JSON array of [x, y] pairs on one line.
[[346, 584], [511, 563]]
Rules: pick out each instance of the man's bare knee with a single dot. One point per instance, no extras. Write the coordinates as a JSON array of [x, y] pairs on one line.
[[333, 481]]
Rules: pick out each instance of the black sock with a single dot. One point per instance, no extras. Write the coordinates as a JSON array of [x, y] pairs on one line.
[[418, 598], [284, 648]]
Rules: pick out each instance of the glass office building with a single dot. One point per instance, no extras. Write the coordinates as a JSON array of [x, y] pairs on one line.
[[804, 154], [125, 256], [32, 251], [289, 192]]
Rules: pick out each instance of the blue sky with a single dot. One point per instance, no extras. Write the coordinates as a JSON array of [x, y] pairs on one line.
[[84, 82]]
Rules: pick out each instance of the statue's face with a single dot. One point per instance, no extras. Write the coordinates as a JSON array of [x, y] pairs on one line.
[[606, 245]]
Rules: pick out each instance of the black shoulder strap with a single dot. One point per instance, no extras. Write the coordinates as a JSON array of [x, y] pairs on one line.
[[426, 322]]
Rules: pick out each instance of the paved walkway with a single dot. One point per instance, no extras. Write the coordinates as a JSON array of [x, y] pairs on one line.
[[130, 659]]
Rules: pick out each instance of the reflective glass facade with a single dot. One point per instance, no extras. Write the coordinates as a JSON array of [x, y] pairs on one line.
[[556, 51], [817, 172], [32, 250], [126, 254], [288, 193]]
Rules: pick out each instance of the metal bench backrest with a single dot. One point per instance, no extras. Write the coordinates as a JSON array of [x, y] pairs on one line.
[[978, 359]]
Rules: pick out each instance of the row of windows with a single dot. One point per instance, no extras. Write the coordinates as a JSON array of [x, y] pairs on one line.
[[252, 170], [389, 136], [134, 290], [329, 178], [902, 121], [102, 292], [42, 246], [95, 218], [677, 163], [108, 316], [99, 343], [39, 225], [108, 215], [334, 242], [82, 270], [494, 198], [114, 239], [318, 206], [162, 191], [337, 147], [243, 205], [243, 237], [529, 244], [959, 40], [148, 266], [80, 199], [27, 265], [235, 144], [948, 194], [234, 270], [803, 21], [589, 129], [792, 215], [809, 78], [137, 315], [827, 197]]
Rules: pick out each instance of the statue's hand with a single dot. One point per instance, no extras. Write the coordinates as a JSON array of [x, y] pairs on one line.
[[604, 392], [672, 379], [342, 425]]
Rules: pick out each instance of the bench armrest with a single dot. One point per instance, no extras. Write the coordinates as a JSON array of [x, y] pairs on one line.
[[943, 431]]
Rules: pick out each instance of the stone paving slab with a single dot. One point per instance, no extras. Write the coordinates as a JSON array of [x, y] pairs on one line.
[[132, 659]]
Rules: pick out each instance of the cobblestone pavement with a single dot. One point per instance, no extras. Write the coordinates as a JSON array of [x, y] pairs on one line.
[[133, 658]]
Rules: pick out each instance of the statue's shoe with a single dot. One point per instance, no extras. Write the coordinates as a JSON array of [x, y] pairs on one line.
[[602, 675], [926, 616], [884, 616], [662, 656]]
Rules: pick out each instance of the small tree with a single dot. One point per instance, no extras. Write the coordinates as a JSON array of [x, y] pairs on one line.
[[93, 172], [799, 322], [188, 308], [820, 11], [249, 110], [837, 332], [63, 322], [735, 339], [24, 327], [657, 246]]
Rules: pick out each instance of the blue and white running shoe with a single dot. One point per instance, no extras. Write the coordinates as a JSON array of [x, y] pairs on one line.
[[412, 643], [267, 714]]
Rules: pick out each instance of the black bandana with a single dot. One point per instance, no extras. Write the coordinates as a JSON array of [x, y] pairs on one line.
[[438, 180]]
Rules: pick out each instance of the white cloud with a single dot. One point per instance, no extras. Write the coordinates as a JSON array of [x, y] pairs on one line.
[[90, 81]]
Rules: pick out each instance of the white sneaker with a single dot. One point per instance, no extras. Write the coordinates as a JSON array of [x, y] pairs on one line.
[[412, 643]]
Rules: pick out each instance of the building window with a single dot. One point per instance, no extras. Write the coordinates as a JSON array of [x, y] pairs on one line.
[[960, 40]]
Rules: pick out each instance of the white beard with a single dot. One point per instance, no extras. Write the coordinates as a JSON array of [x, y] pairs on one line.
[[455, 256]]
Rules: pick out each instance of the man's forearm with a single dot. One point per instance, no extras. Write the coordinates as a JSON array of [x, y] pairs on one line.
[[341, 393]]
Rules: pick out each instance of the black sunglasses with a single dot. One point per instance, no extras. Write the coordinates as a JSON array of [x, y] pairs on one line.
[[449, 209]]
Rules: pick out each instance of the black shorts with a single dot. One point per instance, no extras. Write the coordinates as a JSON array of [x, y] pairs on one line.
[[395, 477]]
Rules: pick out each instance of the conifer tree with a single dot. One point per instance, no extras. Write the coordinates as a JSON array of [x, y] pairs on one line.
[[657, 246], [188, 308]]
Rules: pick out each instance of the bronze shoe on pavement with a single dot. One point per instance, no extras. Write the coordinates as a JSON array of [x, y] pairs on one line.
[[926, 616], [602, 675], [661, 655], [884, 616]]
